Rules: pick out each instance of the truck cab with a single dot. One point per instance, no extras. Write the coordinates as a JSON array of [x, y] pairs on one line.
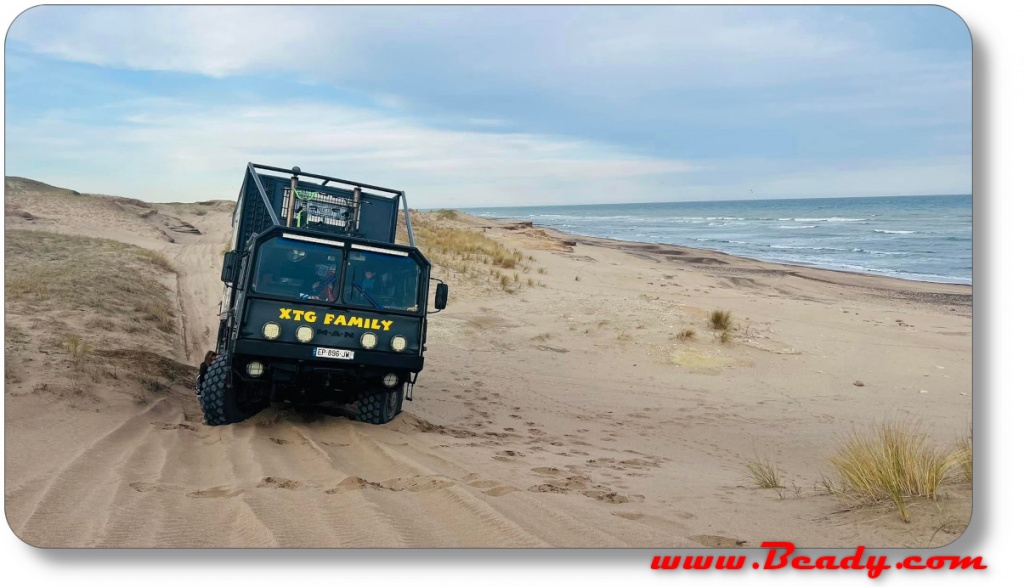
[[325, 309]]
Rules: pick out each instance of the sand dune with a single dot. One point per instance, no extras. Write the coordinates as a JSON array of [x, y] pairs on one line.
[[566, 414]]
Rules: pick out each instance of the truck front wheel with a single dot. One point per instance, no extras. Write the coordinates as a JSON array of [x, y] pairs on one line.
[[220, 397], [379, 407]]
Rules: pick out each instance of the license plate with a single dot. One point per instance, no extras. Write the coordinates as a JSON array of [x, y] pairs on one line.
[[326, 353]]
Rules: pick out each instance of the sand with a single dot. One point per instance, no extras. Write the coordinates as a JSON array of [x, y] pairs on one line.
[[566, 414]]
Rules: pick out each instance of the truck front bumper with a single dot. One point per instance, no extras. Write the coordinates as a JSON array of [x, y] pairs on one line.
[[303, 354]]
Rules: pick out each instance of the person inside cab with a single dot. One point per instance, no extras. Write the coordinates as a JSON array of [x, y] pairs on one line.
[[323, 288]]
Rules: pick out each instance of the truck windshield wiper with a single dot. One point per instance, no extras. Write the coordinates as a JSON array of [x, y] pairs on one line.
[[372, 301]]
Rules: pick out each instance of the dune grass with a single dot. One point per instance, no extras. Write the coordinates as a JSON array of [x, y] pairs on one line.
[[469, 251], [117, 281], [686, 334], [965, 456], [764, 472], [720, 320], [158, 260], [77, 348], [890, 463], [446, 214]]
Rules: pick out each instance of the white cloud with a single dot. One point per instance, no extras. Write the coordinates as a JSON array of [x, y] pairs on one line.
[[609, 67], [213, 40], [651, 47], [175, 149]]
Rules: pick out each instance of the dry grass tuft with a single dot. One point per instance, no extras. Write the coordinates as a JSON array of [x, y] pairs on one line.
[[506, 283], [720, 320], [77, 347], [686, 334], [764, 472], [159, 260], [964, 456], [446, 214], [891, 463]]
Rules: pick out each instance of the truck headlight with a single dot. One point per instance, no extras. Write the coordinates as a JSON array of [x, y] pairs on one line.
[[368, 340], [398, 343], [304, 333], [390, 380], [271, 331], [254, 369]]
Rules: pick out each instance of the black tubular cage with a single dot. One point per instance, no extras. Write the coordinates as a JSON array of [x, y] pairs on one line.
[[350, 208]]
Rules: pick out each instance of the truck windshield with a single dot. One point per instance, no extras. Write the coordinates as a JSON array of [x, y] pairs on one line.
[[384, 281], [297, 269]]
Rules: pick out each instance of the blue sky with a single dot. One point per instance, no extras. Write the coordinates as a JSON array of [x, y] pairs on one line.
[[492, 105]]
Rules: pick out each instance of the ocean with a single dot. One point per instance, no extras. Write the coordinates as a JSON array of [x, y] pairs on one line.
[[924, 238]]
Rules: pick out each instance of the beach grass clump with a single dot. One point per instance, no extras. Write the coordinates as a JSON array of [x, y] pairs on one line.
[[446, 214], [964, 456], [764, 472], [506, 283], [686, 334], [720, 320], [891, 463], [77, 348]]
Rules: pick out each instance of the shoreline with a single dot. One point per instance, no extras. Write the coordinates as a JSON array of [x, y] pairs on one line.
[[839, 275]]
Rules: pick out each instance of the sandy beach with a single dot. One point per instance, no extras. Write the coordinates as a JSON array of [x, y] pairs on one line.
[[565, 409]]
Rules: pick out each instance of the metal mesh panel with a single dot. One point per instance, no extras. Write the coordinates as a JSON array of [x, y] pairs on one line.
[[317, 209], [326, 209]]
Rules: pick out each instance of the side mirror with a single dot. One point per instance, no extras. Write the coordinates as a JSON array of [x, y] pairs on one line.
[[441, 296], [227, 270]]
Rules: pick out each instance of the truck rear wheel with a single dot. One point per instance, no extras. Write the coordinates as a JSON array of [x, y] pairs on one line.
[[379, 407], [219, 396]]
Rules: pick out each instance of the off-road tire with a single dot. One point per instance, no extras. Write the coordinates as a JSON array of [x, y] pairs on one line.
[[219, 396], [379, 407]]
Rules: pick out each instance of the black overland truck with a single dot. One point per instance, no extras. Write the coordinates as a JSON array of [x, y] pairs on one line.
[[321, 306]]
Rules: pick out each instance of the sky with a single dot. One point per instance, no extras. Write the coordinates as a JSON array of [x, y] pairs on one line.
[[464, 106]]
